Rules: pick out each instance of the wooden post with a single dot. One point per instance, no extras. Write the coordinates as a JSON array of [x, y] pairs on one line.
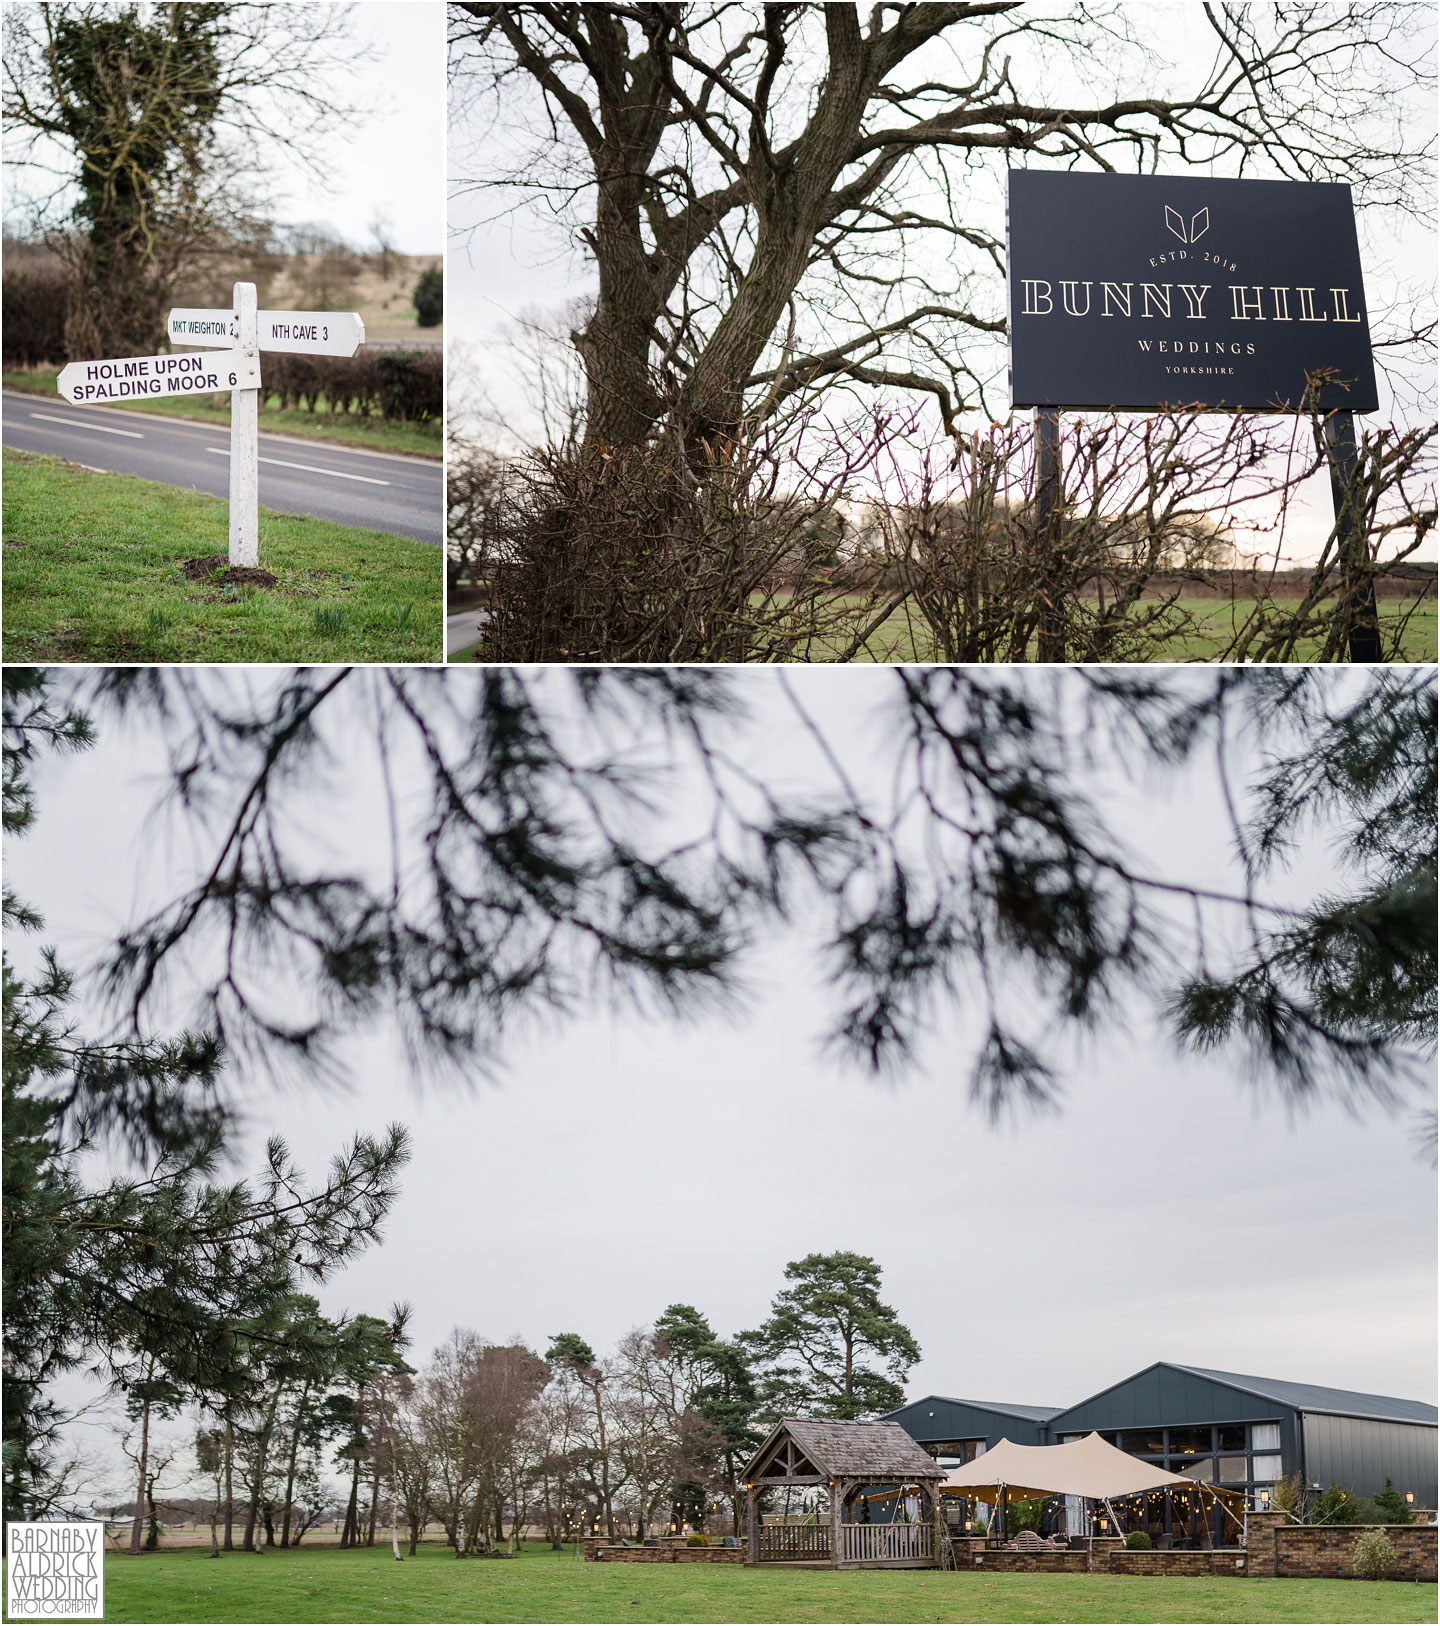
[[752, 1523], [837, 1499], [937, 1523], [245, 442], [1050, 644], [1357, 584]]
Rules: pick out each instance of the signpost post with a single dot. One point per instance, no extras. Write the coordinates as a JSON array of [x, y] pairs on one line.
[[239, 335], [1145, 291], [245, 441]]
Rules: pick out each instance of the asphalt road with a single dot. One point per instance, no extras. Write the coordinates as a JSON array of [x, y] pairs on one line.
[[370, 489], [462, 629]]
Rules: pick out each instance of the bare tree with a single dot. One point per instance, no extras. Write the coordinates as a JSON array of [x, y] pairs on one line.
[[165, 117], [760, 185]]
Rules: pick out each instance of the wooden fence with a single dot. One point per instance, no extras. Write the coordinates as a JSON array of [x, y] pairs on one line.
[[793, 1541], [875, 1543]]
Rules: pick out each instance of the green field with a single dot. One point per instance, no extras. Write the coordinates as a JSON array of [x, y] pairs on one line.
[[1215, 622], [904, 637], [93, 562], [325, 1584], [372, 434]]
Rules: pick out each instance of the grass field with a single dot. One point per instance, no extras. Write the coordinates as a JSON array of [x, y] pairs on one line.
[[92, 573], [1214, 624], [905, 638], [325, 1584], [372, 435]]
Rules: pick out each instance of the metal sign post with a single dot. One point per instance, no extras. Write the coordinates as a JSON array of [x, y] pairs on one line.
[[1138, 292], [245, 441], [1050, 644]]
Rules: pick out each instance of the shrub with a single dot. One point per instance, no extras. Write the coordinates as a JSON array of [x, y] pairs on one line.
[[1338, 1504], [698, 1541], [35, 306], [1024, 1515], [429, 298], [411, 384], [1392, 1506], [1374, 1556], [1138, 1541]]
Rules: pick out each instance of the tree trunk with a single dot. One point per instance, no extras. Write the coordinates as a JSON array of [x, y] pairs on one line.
[[152, 1535], [374, 1499], [140, 1484], [350, 1537], [257, 1489], [604, 1467], [290, 1466], [229, 1483]]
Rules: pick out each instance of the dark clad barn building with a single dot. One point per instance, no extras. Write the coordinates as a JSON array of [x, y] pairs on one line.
[[1218, 1428]]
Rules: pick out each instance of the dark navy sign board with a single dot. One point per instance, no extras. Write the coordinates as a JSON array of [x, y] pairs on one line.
[[1141, 291]]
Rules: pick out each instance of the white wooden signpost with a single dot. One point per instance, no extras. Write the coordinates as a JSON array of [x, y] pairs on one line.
[[233, 340]]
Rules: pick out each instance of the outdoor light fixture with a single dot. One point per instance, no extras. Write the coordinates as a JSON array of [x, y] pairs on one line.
[[1410, 1496]]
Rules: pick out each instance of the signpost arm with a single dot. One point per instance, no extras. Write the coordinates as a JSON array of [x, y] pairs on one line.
[[1051, 642], [1357, 584], [245, 442]]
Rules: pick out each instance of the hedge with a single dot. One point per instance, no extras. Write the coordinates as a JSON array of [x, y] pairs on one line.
[[34, 310]]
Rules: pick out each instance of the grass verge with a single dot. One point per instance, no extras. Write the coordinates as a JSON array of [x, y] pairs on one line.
[[370, 434], [326, 1584], [93, 573]]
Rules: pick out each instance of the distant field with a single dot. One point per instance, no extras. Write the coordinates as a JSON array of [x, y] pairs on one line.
[[326, 1584], [1215, 621], [92, 573], [384, 305], [904, 637], [372, 434]]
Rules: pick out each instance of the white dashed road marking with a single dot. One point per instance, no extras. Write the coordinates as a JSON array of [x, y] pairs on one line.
[[307, 468], [79, 423]]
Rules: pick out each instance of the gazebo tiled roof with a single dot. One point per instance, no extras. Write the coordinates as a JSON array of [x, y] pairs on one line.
[[869, 1451]]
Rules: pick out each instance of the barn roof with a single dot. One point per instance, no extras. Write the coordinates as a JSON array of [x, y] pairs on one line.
[[1316, 1397], [1033, 1414], [876, 1451]]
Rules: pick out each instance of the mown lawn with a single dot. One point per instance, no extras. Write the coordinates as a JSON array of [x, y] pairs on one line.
[[92, 566], [371, 434], [325, 1584]]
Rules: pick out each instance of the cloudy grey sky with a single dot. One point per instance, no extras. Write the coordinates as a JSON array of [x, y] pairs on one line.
[[617, 1165], [390, 162], [511, 255]]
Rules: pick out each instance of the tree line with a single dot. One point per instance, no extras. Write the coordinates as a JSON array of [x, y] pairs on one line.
[[181, 1286], [488, 1440]]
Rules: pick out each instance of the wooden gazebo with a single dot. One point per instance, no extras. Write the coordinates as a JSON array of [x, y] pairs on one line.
[[844, 1460]]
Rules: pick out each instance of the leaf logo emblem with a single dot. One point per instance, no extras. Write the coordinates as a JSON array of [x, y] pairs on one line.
[[1199, 224]]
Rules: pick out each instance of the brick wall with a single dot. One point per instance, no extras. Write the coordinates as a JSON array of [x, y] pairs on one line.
[[1063, 1561], [1327, 1551], [1219, 1561]]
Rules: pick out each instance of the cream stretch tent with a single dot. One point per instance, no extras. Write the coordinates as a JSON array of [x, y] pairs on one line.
[[1090, 1467]]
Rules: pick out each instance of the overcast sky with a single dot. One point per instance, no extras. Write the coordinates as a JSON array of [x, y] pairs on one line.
[[505, 262], [618, 1166], [390, 163]]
